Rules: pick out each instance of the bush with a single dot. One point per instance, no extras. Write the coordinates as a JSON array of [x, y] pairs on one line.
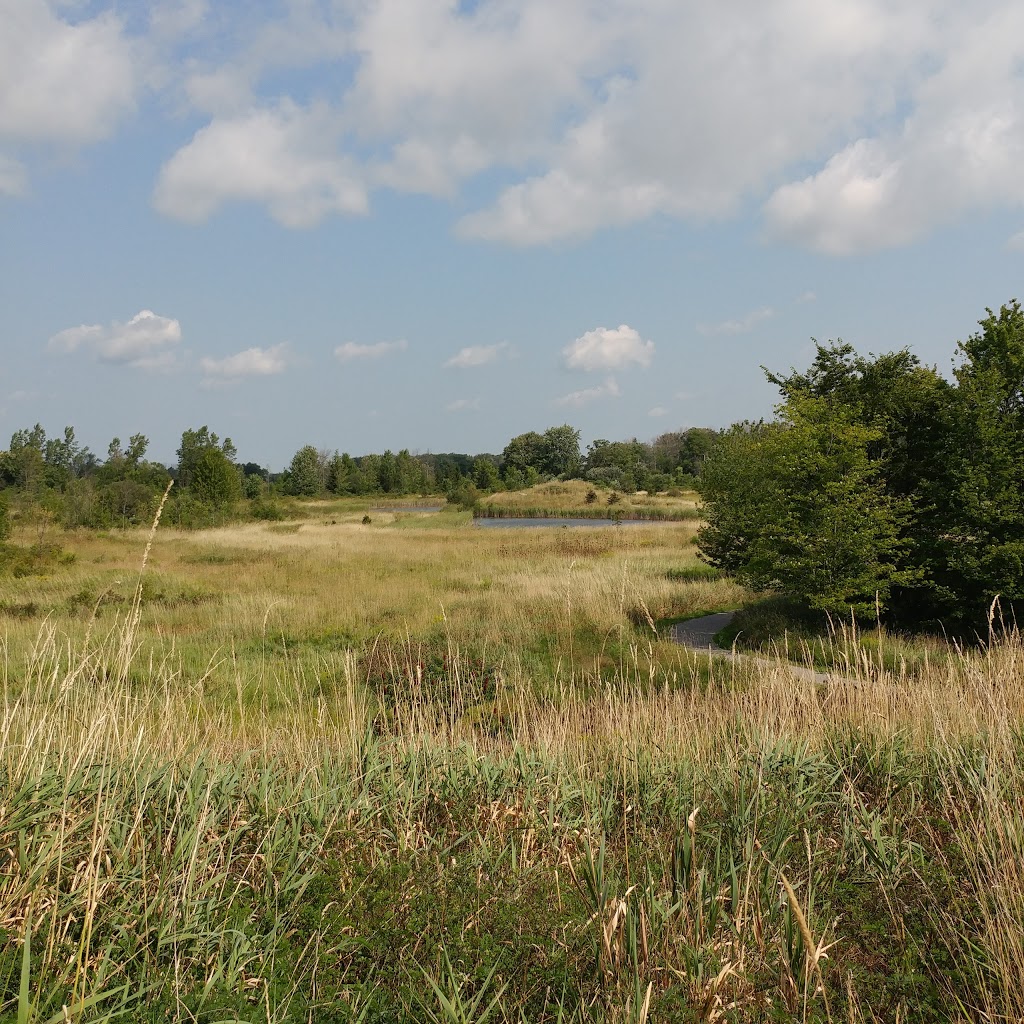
[[5, 519], [464, 496], [265, 510]]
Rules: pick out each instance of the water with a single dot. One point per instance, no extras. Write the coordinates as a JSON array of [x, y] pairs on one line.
[[406, 508], [555, 521]]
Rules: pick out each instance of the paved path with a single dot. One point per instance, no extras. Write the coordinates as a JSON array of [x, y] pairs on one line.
[[699, 635]]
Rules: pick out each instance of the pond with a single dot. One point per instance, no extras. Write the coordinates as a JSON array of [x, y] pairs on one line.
[[564, 522]]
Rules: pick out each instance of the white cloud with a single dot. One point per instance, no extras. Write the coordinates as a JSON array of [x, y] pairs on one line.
[[351, 350], [464, 405], [858, 123], [286, 157], [477, 355], [806, 297], [145, 342], [608, 349], [63, 83], [657, 412], [958, 150], [253, 362], [741, 326], [609, 389], [1015, 243]]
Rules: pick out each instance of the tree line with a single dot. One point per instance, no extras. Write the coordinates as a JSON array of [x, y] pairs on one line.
[[60, 480], [882, 488]]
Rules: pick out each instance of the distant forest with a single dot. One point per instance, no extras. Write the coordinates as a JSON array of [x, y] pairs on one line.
[[55, 479]]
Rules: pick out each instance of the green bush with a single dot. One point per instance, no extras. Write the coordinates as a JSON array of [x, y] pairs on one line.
[[266, 510]]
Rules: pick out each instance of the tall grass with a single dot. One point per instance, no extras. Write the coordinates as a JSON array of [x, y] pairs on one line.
[[429, 835]]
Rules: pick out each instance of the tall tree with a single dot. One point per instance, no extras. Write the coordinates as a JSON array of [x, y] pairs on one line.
[[984, 530], [303, 477], [798, 507], [194, 445]]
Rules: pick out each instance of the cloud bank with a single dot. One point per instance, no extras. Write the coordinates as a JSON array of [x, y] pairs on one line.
[[852, 124]]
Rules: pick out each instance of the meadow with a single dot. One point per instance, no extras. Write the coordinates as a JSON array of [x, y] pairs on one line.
[[325, 770]]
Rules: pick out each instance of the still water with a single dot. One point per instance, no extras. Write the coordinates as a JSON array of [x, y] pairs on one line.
[[554, 521]]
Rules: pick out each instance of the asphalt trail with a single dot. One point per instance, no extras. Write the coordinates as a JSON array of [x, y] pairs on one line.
[[699, 635]]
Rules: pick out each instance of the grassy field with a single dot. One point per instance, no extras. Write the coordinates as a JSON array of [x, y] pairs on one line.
[[416, 770], [577, 497]]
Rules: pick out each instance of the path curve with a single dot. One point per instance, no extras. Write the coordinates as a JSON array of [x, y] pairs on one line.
[[699, 635]]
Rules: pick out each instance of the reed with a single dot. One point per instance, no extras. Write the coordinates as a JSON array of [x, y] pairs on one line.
[[438, 825]]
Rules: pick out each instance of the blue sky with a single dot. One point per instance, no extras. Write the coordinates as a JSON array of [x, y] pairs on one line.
[[370, 224]]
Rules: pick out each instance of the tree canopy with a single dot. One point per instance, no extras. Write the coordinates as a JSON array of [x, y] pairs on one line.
[[881, 484]]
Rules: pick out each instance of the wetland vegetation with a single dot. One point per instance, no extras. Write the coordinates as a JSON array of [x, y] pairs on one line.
[[323, 770], [304, 753]]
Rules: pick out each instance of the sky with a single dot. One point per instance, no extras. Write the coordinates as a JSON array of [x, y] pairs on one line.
[[436, 224]]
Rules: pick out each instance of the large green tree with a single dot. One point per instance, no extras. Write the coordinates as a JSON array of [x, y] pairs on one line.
[[798, 507], [195, 444], [206, 467], [983, 535], [918, 482], [304, 477]]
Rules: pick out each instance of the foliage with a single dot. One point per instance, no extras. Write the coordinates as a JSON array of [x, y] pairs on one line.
[[214, 479], [797, 507], [556, 452], [196, 445], [304, 477], [882, 484], [983, 535]]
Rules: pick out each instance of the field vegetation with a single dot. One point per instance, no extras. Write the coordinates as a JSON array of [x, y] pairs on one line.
[[327, 770], [579, 499]]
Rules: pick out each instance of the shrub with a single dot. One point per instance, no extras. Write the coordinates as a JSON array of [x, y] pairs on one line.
[[266, 511]]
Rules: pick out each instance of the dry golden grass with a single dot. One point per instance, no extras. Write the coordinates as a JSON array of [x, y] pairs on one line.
[[572, 494], [317, 587], [179, 782]]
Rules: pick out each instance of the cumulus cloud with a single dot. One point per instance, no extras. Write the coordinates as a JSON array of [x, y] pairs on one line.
[[146, 341], [958, 150], [253, 362], [351, 350], [477, 355], [742, 325], [608, 349], [657, 412], [609, 389], [855, 124], [63, 83], [464, 405], [285, 157], [1016, 242]]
